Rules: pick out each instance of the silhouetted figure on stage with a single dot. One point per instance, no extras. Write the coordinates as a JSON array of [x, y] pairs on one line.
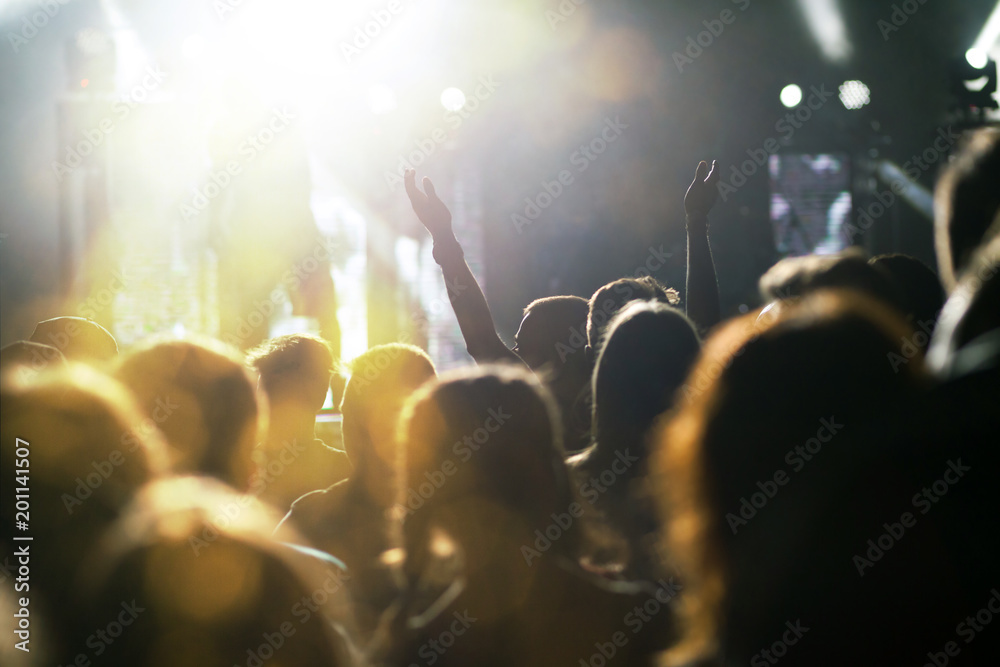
[[269, 247]]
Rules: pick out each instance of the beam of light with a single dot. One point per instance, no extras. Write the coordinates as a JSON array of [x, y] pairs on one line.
[[988, 36], [452, 99], [281, 55], [826, 22], [381, 99], [917, 196], [193, 47], [791, 96]]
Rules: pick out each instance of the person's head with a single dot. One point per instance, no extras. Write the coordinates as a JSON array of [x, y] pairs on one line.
[[77, 338], [919, 286], [493, 435], [85, 449], [768, 396], [972, 311], [201, 591], [545, 339], [609, 299], [294, 369], [28, 359], [648, 351], [796, 277], [203, 399], [966, 202], [379, 384]]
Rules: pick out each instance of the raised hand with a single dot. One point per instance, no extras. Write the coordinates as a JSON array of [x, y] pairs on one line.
[[703, 192], [702, 286], [429, 208], [467, 299]]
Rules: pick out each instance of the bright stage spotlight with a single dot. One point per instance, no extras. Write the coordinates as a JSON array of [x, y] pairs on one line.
[[381, 99], [854, 95], [791, 95], [452, 99], [977, 58], [193, 47]]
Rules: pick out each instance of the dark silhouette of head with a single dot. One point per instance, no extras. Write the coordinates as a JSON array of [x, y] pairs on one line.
[[203, 399], [966, 202], [77, 338], [770, 394], [199, 590], [552, 342], [381, 380], [482, 451], [28, 359], [647, 354], [920, 287], [609, 299], [648, 351], [548, 324], [493, 433], [294, 369], [796, 277]]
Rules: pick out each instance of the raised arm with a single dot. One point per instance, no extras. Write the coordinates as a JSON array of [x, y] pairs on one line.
[[702, 299], [467, 299]]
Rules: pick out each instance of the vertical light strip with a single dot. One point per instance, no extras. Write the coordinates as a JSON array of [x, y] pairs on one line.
[[826, 22]]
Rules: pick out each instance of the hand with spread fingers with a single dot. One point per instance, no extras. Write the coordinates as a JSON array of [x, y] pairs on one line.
[[466, 296], [431, 211]]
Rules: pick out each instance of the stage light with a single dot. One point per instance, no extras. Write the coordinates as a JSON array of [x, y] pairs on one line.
[[791, 95], [452, 99], [972, 86], [826, 22], [381, 99], [193, 47], [854, 94], [977, 58], [976, 85]]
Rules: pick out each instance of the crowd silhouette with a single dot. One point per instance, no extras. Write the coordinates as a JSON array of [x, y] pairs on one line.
[[638, 481]]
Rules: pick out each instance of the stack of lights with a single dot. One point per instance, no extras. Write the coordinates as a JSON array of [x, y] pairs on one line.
[[854, 94]]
